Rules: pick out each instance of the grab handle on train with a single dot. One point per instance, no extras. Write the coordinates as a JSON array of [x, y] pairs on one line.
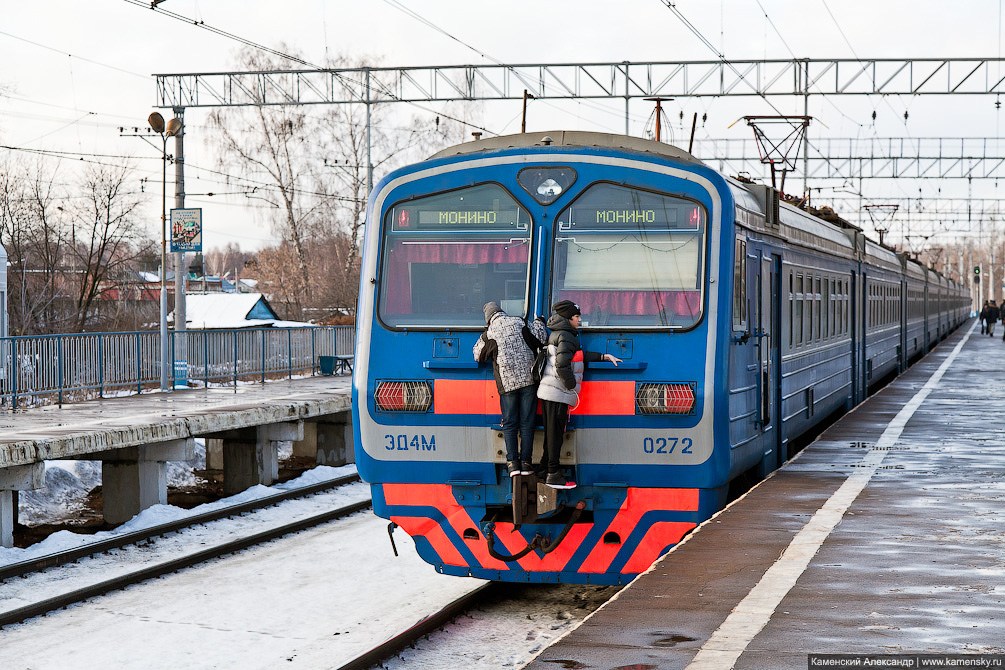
[[390, 533]]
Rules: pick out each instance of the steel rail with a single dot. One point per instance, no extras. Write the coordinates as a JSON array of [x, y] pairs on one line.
[[71, 555], [394, 645], [21, 614]]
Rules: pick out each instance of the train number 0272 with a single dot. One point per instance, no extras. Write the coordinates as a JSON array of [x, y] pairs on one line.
[[410, 443], [667, 445]]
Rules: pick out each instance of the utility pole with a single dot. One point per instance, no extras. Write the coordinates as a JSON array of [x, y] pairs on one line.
[[806, 134], [523, 122], [659, 115], [180, 262]]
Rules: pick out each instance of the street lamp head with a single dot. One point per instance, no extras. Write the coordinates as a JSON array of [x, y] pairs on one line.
[[156, 122], [173, 127]]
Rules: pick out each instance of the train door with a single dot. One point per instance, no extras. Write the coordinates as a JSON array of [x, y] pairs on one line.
[[902, 311], [860, 324], [770, 354], [765, 318], [855, 314]]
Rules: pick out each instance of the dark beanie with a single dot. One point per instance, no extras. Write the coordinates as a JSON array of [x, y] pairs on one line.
[[566, 308], [490, 308]]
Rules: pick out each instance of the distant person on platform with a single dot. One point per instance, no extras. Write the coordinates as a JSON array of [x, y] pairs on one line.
[[984, 317], [992, 317], [512, 345], [561, 382]]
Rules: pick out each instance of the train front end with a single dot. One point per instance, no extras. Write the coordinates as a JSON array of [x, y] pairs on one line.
[[629, 230]]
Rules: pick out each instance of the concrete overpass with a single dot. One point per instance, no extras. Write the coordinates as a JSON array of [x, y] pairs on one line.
[[134, 436]]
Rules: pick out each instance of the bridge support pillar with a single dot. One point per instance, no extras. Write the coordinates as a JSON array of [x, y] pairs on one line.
[[307, 447], [335, 442], [214, 454], [328, 440], [135, 478], [16, 478], [251, 455]]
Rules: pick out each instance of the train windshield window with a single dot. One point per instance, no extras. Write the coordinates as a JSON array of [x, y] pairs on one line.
[[446, 255], [631, 258]]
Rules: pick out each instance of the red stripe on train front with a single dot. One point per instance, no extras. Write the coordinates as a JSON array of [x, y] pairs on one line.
[[638, 502], [659, 536], [480, 396], [440, 497], [430, 529]]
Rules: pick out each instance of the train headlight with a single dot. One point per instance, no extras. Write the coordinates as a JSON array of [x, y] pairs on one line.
[[403, 396], [665, 398], [545, 184]]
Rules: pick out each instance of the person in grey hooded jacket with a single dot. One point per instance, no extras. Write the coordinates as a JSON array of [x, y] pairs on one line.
[[512, 345], [561, 383]]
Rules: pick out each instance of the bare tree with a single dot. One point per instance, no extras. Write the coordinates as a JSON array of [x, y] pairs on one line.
[[221, 261], [67, 247], [268, 143], [314, 168], [106, 239], [30, 220], [277, 270]]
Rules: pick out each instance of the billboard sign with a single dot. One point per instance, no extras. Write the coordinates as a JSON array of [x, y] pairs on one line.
[[186, 229]]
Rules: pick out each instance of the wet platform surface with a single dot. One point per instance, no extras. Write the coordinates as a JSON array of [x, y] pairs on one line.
[[76, 429], [885, 536]]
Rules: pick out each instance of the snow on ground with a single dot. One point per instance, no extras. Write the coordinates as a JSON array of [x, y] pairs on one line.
[[312, 600]]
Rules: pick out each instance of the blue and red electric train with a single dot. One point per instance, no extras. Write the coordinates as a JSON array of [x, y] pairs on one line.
[[742, 322]]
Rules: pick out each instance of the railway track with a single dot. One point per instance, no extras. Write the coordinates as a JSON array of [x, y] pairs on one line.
[[19, 614], [63, 557], [409, 637]]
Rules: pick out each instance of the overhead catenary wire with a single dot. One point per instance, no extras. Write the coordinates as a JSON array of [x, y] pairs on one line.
[[80, 58], [295, 59]]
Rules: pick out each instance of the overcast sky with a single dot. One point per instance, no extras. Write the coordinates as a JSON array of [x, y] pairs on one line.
[[77, 71]]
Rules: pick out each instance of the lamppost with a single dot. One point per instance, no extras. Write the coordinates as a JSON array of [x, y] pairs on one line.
[[172, 128]]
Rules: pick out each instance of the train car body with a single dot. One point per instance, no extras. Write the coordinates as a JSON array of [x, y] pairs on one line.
[[741, 323]]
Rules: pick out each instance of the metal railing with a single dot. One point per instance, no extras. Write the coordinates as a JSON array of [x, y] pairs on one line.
[[37, 370]]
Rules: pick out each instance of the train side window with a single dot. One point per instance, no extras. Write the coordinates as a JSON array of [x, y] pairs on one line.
[[834, 304], [792, 342], [797, 318], [816, 308], [872, 305], [808, 310], [740, 285], [840, 307], [826, 311], [845, 307]]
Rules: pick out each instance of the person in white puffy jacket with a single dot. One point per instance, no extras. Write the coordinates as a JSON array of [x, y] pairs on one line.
[[512, 345], [561, 383]]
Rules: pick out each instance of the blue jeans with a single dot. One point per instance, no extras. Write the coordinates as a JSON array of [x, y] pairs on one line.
[[518, 410]]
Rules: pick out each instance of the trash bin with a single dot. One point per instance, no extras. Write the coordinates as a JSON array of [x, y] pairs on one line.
[[327, 364]]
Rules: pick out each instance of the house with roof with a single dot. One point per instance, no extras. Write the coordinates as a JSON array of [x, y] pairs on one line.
[[219, 311]]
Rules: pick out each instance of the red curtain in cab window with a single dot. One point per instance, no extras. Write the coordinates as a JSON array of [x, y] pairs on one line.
[[398, 292]]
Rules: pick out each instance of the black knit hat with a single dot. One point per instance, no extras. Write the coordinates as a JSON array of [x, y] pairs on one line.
[[566, 308]]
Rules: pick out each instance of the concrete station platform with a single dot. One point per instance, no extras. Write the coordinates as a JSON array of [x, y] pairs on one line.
[[886, 536], [59, 432], [134, 436]]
